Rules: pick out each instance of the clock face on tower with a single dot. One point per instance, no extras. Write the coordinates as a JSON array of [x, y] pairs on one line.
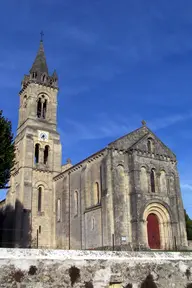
[[43, 136]]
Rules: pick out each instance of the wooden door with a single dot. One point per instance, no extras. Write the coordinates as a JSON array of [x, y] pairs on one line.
[[153, 231]]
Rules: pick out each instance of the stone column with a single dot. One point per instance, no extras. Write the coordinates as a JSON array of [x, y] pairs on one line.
[[165, 235], [169, 232], [41, 155], [137, 204], [143, 234], [83, 207], [107, 208], [181, 217], [128, 204]]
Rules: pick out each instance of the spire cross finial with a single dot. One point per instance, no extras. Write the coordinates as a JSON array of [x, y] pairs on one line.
[[42, 34], [143, 122]]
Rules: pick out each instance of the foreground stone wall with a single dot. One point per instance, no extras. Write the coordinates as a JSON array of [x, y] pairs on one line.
[[61, 268]]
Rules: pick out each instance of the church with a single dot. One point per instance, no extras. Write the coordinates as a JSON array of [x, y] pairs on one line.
[[125, 196]]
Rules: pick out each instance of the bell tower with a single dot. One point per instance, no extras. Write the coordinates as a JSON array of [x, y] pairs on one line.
[[38, 155]]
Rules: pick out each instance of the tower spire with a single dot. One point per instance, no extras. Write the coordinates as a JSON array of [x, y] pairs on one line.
[[40, 64]]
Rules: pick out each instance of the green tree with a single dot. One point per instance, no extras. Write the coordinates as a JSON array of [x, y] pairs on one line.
[[7, 151], [188, 226]]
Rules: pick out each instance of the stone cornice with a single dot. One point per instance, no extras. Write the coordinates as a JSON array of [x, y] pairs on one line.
[[151, 155], [81, 164], [95, 207], [26, 84]]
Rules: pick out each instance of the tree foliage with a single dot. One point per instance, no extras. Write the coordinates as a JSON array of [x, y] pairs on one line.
[[188, 226], [7, 151]]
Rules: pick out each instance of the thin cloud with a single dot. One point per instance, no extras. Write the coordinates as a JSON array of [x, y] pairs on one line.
[[161, 123], [74, 91], [104, 126], [77, 34], [97, 130], [74, 33], [158, 34], [186, 186], [103, 72]]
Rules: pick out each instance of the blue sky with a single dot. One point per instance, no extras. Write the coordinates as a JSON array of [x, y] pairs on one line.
[[118, 62]]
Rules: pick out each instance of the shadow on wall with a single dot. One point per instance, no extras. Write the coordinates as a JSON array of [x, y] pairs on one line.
[[15, 226]]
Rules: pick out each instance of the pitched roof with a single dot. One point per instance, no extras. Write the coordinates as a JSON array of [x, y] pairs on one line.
[[40, 64], [125, 142], [129, 140], [150, 133]]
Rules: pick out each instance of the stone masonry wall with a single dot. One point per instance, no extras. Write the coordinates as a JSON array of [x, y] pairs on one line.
[[62, 268]]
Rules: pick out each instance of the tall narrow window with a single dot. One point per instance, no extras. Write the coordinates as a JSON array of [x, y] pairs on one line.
[[58, 210], [37, 146], [34, 75], [96, 193], [39, 199], [25, 101], [46, 154], [152, 176], [39, 108], [149, 146], [44, 78], [44, 108], [93, 223], [76, 204]]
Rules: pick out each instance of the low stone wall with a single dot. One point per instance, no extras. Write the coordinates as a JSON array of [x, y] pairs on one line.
[[61, 268]]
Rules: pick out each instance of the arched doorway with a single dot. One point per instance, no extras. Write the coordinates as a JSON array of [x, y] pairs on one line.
[[153, 231], [157, 223]]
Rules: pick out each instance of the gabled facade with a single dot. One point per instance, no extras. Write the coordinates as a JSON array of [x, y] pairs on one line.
[[127, 196]]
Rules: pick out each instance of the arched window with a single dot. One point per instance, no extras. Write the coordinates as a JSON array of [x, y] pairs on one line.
[[97, 197], [34, 75], [37, 146], [76, 203], [25, 101], [46, 154], [92, 223], [58, 210], [39, 108], [44, 78], [39, 205], [149, 145], [152, 178], [44, 108]]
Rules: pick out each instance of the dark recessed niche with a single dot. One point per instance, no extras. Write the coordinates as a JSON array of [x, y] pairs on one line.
[[74, 274], [148, 282]]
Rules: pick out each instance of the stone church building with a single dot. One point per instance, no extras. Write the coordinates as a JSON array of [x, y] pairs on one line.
[[125, 196]]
